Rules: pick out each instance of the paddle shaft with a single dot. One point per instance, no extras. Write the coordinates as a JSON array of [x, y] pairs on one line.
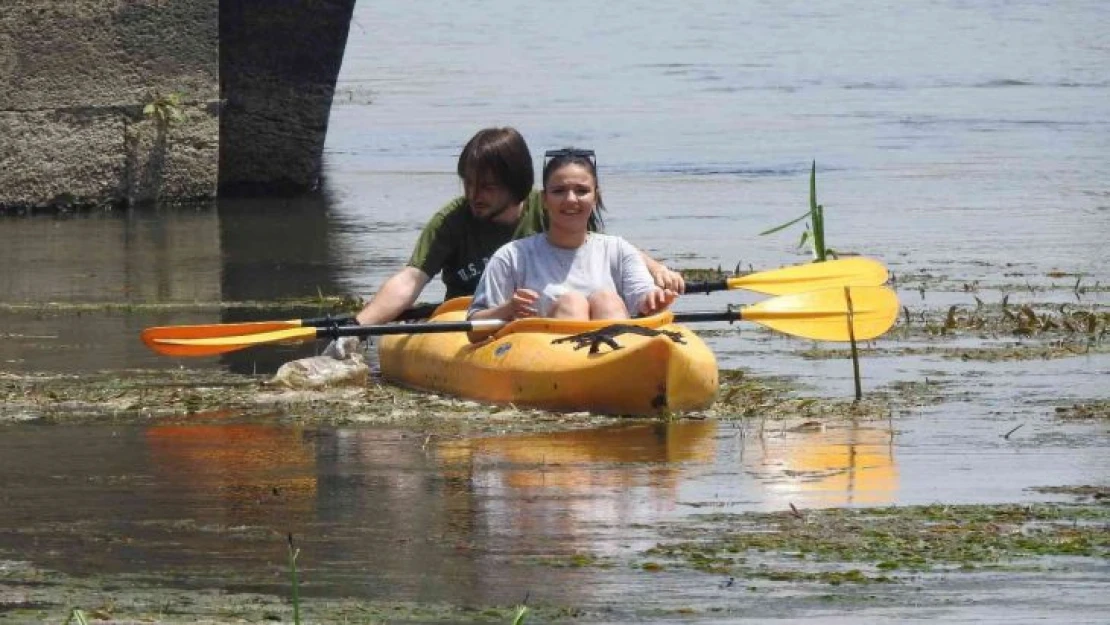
[[754, 313], [439, 327], [423, 311], [420, 311], [694, 317], [435, 327], [706, 286]]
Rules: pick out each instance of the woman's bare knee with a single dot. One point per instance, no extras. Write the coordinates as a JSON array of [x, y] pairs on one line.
[[571, 305], [607, 305]]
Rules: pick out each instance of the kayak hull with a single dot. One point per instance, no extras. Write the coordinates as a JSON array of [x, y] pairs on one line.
[[523, 365]]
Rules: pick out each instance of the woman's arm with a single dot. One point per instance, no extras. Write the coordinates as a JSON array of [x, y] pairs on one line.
[[639, 290], [497, 296]]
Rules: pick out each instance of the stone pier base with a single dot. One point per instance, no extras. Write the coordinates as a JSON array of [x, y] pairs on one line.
[[119, 102], [75, 77]]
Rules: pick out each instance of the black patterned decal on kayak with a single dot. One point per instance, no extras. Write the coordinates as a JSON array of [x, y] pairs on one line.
[[608, 334]]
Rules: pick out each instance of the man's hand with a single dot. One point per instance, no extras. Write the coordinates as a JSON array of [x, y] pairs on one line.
[[343, 348], [665, 278]]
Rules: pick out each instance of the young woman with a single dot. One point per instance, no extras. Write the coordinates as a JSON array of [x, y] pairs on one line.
[[568, 271]]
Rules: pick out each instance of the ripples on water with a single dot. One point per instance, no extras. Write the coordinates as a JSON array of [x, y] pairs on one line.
[[925, 119]]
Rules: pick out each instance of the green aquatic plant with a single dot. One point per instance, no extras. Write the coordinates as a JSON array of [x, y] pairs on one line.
[[815, 228], [165, 109], [521, 610], [894, 544], [293, 553], [77, 616], [1023, 320]]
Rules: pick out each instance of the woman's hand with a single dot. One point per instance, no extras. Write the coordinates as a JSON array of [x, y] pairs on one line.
[[523, 304], [657, 300]]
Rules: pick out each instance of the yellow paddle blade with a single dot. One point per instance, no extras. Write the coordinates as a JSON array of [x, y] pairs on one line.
[[814, 276], [823, 315], [210, 346]]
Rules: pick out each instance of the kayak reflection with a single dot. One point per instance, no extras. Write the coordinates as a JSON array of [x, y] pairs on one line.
[[579, 458], [563, 483], [241, 472], [819, 467]]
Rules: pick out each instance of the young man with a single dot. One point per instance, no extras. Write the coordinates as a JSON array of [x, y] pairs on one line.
[[499, 205]]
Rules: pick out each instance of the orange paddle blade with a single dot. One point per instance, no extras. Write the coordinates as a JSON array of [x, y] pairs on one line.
[[211, 330], [213, 345]]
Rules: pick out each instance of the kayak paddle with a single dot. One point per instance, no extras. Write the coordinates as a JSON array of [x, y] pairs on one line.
[[794, 279], [820, 315], [801, 278], [213, 330]]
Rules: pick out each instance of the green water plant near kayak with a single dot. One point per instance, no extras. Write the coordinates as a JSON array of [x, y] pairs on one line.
[[815, 228]]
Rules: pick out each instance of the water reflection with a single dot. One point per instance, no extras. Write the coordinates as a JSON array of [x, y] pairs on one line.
[[275, 248], [817, 468], [390, 513], [136, 256], [572, 459], [243, 473], [109, 274]]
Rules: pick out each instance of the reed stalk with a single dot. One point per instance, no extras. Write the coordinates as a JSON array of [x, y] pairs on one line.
[[293, 553], [814, 232]]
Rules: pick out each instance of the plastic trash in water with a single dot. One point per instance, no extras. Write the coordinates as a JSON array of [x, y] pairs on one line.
[[342, 363]]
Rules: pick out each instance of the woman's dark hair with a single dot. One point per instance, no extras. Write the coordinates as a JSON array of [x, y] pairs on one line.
[[501, 154], [555, 159]]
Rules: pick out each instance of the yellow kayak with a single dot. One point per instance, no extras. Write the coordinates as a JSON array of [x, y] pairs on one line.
[[647, 366]]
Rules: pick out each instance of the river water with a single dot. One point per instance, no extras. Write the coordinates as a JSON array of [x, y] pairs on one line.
[[961, 143]]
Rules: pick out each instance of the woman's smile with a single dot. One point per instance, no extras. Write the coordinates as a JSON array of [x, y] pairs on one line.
[[571, 196]]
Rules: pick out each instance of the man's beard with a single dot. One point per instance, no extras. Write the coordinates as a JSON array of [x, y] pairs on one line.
[[490, 214]]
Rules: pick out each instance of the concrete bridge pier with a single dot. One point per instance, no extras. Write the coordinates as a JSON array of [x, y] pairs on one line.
[[104, 102], [279, 60]]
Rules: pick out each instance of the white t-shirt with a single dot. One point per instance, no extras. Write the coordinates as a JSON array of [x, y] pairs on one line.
[[603, 263]]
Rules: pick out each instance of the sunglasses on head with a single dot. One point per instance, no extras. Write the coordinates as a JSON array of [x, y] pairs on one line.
[[569, 153]]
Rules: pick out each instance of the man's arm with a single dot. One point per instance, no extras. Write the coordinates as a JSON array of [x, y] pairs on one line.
[[664, 278], [398, 293]]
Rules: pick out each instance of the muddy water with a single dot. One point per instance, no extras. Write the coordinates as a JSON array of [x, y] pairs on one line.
[[976, 183]]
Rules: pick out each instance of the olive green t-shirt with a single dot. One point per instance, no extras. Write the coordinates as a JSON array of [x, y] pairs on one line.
[[459, 245]]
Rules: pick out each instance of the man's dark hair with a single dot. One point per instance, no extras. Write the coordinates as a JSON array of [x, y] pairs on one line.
[[501, 154]]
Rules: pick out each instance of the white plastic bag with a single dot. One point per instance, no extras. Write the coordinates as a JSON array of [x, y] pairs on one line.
[[341, 364]]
